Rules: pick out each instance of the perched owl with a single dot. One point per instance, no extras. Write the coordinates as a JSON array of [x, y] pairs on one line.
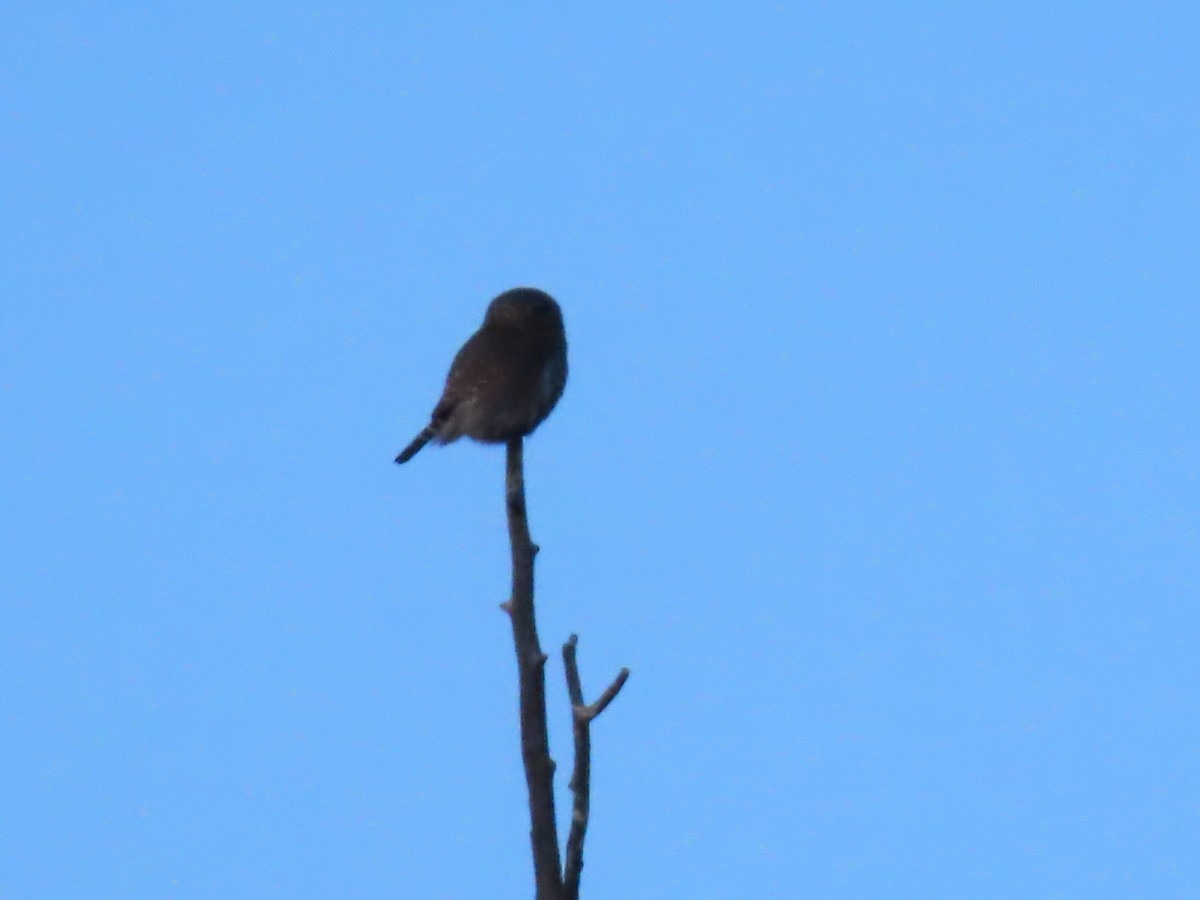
[[507, 376]]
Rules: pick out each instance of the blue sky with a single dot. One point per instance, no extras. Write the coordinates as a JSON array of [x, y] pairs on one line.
[[877, 464]]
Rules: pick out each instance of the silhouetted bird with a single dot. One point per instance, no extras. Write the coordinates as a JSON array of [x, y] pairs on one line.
[[507, 376]]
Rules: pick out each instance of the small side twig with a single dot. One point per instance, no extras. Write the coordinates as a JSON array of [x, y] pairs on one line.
[[531, 668], [581, 717]]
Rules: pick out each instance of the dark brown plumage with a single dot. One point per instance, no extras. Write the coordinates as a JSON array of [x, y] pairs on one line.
[[506, 378]]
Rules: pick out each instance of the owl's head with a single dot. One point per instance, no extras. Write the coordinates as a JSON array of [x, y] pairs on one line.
[[525, 307]]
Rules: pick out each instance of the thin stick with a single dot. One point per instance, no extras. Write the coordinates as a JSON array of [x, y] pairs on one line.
[[581, 721], [531, 668]]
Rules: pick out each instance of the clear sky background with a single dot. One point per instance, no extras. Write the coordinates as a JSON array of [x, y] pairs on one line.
[[877, 464]]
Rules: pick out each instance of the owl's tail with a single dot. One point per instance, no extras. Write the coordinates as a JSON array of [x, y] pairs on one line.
[[418, 442]]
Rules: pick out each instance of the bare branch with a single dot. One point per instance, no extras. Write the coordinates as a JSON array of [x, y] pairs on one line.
[[531, 668], [581, 719]]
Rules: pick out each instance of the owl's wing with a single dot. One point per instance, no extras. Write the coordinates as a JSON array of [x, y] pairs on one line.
[[492, 364]]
